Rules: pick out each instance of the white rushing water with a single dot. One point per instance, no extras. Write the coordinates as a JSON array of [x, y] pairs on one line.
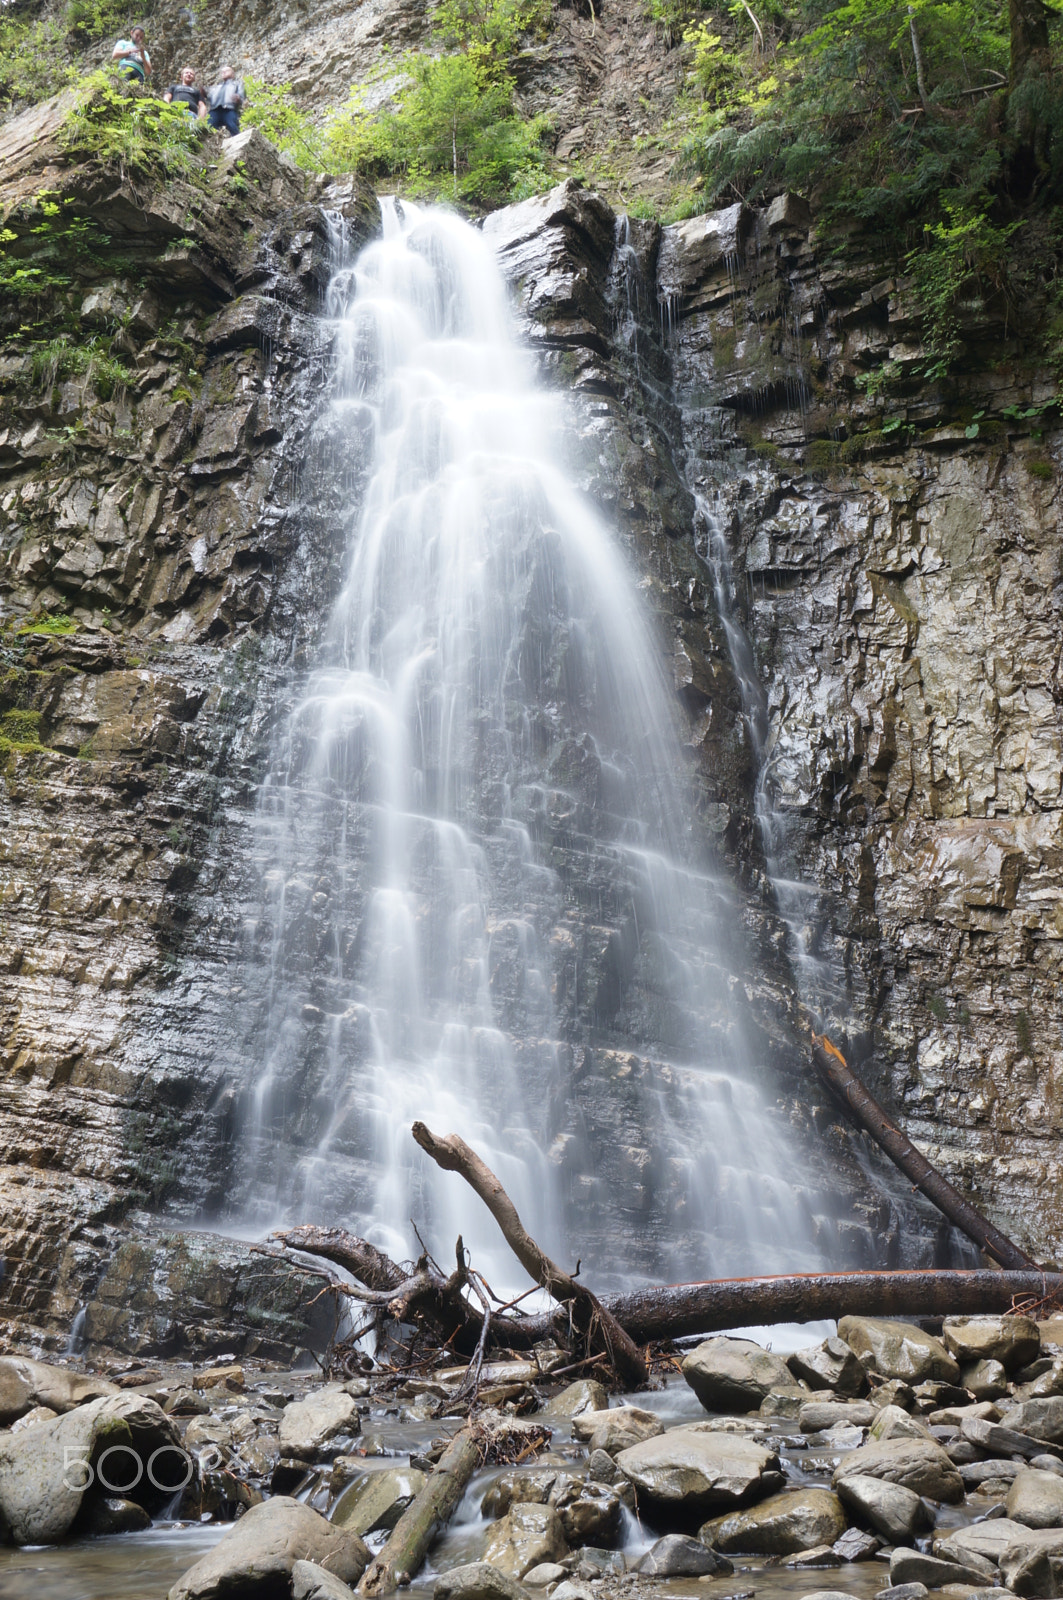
[[483, 765]]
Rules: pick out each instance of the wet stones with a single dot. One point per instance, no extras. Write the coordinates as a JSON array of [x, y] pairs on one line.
[[898, 1350], [617, 1429], [689, 1472], [896, 1512], [1011, 1341], [526, 1536], [830, 1365], [480, 1580], [377, 1500], [734, 1374], [917, 1464], [306, 1426], [26, 1384], [1036, 1499], [260, 1551], [782, 1525]]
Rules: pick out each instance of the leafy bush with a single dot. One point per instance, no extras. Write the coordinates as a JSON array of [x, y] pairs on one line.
[[967, 245], [61, 357], [271, 109], [452, 127], [117, 122]]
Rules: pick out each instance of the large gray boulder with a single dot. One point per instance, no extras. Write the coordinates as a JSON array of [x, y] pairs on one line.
[[25, 1384], [586, 1394], [47, 1471], [799, 1519], [898, 1350], [479, 1580], [892, 1510], [987, 1541], [536, 1486], [1013, 1341], [1036, 1499], [734, 1374], [912, 1566], [591, 1514], [616, 1429], [677, 1556], [1034, 1565], [255, 1558], [830, 1365], [917, 1464], [1040, 1419], [307, 1425], [377, 1500], [815, 1415], [524, 1538], [892, 1422], [692, 1471]]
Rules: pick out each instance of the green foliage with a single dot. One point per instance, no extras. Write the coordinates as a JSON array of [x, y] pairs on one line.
[[95, 19], [120, 124], [33, 59], [55, 626], [20, 732], [966, 245], [1040, 467], [452, 127], [61, 357], [846, 123], [271, 109]]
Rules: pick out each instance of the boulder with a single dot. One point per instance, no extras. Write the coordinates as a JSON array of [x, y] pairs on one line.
[[976, 1472], [25, 1384], [820, 1555], [796, 1520], [890, 1422], [998, 1439], [903, 1591], [546, 1572], [784, 1404], [734, 1374], [897, 1513], [377, 1500], [591, 1513], [616, 1429], [830, 1365], [534, 1487], [898, 1350], [816, 1415], [29, 1419], [311, 1582], [586, 1394], [1047, 1382], [48, 1471], [893, 1393], [1040, 1419], [917, 1464], [986, 1541], [912, 1566], [830, 1594], [256, 1557], [307, 1425], [856, 1545], [1013, 1341], [1036, 1499], [524, 1538], [986, 1380], [113, 1514], [1034, 1565], [479, 1581], [690, 1471], [677, 1556], [955, 1416]]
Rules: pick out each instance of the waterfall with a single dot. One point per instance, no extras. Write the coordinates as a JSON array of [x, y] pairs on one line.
[[481, 886]]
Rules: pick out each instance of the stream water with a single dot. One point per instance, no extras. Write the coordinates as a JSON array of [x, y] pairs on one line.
[[474, 840]]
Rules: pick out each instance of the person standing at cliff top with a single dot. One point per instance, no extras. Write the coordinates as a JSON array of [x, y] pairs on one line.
[[132, 58], [226, 100], [185, 93]]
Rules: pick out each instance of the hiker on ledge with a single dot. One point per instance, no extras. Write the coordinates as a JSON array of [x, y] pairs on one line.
[[132, 58], [225, 100], [187, 94]]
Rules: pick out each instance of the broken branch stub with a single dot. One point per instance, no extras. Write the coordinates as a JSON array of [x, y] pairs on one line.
[[599, 1328]]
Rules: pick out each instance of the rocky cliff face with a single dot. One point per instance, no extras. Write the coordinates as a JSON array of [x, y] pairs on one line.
[[168, 555]]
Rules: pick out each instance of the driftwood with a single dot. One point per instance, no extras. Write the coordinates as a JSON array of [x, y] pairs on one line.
[[596, 1324], [846, 1086], [403, 1555]]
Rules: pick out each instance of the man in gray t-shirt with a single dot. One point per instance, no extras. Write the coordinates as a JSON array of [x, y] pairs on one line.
[[225, 101]]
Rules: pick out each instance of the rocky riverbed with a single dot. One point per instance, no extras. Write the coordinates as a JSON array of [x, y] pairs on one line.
[[884, 1460]]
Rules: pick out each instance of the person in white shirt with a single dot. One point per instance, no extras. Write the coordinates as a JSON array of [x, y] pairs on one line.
[[132, 58]]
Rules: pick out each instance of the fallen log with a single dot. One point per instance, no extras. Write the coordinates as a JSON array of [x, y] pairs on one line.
[[404, 1554], [593, 1320], [865, 1110]]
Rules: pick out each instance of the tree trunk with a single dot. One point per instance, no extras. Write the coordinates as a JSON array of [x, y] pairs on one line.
[[1028, 25], [842, 1080], [600, 1329], [403, 1556]]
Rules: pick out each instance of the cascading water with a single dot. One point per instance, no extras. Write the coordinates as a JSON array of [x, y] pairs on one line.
[[474, 835]]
